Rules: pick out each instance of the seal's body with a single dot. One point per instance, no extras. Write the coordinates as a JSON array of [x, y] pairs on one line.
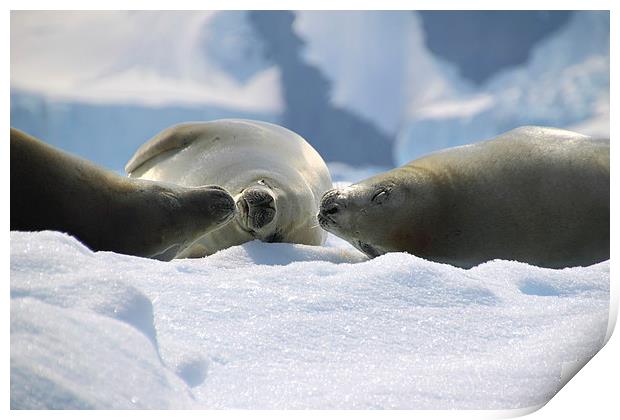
[[536, 195], [53, 190], [276, 177]]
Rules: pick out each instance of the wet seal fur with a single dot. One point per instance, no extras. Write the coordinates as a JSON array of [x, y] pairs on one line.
[[275, 176], [534, 194], [53, 190]]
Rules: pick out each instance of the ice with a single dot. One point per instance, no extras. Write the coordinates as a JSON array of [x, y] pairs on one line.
[[292, 326], [367, 75], [343, 174], [565, 84], [199, 58], [376, 82], [107, 92]]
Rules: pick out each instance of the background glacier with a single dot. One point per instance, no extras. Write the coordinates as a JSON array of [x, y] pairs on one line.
[[365, 88]]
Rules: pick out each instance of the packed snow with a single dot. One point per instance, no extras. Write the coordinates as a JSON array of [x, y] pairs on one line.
[[292, 326]]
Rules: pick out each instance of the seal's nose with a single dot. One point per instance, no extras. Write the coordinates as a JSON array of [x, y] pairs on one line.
[[212, 200], [330, 208], [258, 196], [222, 204], [258, 206], [331, 203]]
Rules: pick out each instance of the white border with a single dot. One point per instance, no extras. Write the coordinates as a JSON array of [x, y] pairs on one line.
[[593, 393]]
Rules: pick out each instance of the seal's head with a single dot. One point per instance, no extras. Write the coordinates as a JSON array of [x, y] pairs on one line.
[[257, 208], [180, 216], [385, 213], [272, 209]]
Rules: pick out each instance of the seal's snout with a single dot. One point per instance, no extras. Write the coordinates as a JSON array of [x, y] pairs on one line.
[[256, 207], [219, 202], [331, 209], [258, 196], [223, 205], [331, 205], [210, 203]]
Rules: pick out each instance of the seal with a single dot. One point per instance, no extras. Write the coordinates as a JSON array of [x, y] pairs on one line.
[[275, 176], [53, 190], [534, 194]]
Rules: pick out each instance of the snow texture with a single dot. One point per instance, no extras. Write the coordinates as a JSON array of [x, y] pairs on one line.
[[292, 326]]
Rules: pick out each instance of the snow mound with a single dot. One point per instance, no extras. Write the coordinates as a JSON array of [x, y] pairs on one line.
[[279, 326], [70, 358]]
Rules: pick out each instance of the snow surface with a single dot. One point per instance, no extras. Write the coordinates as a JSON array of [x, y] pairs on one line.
[[292, 326]]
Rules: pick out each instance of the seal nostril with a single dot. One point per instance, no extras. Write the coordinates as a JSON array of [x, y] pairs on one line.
[[332, 210], [258, 197]]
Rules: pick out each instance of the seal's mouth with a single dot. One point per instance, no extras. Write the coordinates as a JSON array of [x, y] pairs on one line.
[[325, 221]]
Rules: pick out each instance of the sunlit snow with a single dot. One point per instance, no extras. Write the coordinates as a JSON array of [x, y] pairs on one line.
[[292, 326]]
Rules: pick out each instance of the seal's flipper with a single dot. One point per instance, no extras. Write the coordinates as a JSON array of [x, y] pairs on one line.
[[173, 138]]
